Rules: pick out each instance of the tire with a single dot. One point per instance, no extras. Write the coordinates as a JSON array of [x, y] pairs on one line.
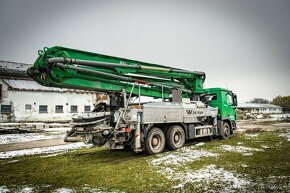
[[226, 132], [175, 137], [155, 141]]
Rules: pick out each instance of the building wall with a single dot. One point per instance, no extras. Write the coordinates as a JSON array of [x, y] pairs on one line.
[[19, 99], [263, 110]]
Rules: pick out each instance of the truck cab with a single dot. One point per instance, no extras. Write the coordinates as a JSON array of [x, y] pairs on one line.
[[226, 102]]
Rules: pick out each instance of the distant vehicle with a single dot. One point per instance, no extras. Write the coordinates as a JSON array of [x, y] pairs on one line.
[[187, 110]]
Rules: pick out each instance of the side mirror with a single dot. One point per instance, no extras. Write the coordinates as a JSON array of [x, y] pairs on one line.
[[235, 100]]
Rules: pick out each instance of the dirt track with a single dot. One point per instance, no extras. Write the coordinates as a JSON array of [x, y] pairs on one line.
[[31, 144], [259, 125]]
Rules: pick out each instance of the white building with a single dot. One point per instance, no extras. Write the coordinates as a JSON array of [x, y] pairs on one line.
[[260, 108], [24, 100]]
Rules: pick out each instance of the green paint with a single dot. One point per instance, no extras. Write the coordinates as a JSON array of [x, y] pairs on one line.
[[50, 75], [225, 101]]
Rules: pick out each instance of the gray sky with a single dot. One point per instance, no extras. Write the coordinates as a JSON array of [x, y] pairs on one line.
[[241, 45]]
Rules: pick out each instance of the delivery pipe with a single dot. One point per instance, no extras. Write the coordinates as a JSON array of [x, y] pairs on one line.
[[69, 138], [114, 76], [113, 65]]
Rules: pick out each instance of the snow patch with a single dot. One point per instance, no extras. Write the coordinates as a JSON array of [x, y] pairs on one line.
[[252, 135], [27, 189], [244, 165], [51, 155], [13, 161], [240, 149], [43, 150], [64, 190], [43, 188], [213, 176], [181, 156], [275, 184], [87, 188], [16, 138], [173, 164], [4, 189], [200, 144], [286, 135], [265, 146], [20, 189]]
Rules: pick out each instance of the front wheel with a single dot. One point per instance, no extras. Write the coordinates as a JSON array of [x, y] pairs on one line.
[[226, 132], [155, 141], [175, 137]]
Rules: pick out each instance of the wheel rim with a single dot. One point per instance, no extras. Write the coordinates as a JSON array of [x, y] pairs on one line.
[[156, 141], [226, 131], [177, 138]]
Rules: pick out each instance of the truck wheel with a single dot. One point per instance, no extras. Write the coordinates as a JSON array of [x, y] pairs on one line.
[[155, 141], [175, 137], [226, 132]]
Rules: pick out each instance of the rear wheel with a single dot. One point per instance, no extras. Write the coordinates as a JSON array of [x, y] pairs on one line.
[[155, 141], [175, 137], [226, 132]]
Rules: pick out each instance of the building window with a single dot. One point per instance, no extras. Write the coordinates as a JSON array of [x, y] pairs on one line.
[[42, 108], [5, 108], [87, 108], [58, 109], [73, 109], [27, 107]]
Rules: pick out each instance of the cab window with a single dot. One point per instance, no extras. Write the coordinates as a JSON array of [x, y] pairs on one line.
[[214, 97], [229, 99], [211, 97]]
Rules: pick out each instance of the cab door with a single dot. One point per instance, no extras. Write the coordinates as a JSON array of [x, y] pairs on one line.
[[229, 106]]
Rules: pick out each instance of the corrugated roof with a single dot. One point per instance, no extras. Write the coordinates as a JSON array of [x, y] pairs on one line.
[[31, 85], [257, 105]]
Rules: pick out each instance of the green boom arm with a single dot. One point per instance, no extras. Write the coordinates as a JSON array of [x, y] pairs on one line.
[[69, 68]]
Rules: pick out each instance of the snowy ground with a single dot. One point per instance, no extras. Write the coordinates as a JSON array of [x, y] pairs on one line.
[[286, 135], [181, 157], [173, 165], [50, 133], [252, 135], [24, 137], [177, 167], [55, 130], [44, 150], [169, 164], [35, 189], [211, 175], [240, 149]]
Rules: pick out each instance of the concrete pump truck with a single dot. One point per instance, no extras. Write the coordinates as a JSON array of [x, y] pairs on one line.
[[186, 111]]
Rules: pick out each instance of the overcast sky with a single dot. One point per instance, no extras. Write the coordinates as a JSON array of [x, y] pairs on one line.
[[241, 45]]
